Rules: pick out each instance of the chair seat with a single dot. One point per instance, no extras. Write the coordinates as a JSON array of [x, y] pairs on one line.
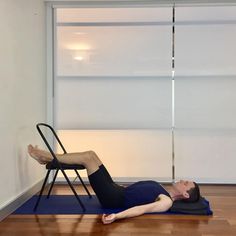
[[53, 166]]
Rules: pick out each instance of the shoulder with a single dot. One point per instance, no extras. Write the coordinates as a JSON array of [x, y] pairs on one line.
[[165, 201], [166, 198], [162, 205]]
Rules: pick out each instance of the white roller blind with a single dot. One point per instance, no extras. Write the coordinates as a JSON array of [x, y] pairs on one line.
[[205, 69], [205, 110], [207, 49], [113, 87], [113, 71], [205, 102], [113, 103], [129, 155], [115, 14], [206, 156], [114, 50]]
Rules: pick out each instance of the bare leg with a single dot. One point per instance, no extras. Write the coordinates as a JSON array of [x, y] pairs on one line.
[[88, 159]]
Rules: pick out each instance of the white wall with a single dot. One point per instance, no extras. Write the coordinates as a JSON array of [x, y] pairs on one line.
[[22, 93]]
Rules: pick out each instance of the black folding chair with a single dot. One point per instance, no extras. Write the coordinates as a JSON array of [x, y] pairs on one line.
[[56, 165]]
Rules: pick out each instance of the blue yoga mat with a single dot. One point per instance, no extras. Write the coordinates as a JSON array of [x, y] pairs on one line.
[[63, 204], [68, 204]]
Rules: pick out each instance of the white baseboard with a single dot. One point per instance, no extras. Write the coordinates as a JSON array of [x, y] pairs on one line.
[[12, 206]]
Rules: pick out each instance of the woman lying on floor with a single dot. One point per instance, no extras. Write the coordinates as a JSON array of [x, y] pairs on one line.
[[139, 198]]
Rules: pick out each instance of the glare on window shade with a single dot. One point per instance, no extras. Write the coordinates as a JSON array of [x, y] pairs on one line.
[[114, 51]]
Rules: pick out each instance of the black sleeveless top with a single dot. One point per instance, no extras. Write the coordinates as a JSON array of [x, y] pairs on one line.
[[143, 192]]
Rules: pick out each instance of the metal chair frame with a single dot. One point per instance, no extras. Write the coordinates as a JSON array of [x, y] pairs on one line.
[[60, 167]]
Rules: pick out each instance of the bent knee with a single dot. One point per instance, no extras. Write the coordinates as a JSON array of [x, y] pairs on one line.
[[92, 154]]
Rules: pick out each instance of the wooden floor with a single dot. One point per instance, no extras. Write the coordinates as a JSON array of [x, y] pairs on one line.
[[223, 222]]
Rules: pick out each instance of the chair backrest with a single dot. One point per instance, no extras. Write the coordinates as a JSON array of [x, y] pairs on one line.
[[45, 140]]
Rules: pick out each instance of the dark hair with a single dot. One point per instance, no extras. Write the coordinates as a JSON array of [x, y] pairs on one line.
[[194, 194]]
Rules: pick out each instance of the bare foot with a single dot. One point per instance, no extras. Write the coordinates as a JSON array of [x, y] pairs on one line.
[[43, 157]]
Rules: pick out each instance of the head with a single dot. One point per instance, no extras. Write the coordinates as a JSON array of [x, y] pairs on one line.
[[187, 191]]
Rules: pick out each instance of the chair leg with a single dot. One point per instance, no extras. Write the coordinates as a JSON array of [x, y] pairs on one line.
[[82, 182], [73, 190], [41, 191], [52, 184]]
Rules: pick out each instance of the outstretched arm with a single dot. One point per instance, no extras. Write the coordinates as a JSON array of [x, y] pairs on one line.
[[163, 204]]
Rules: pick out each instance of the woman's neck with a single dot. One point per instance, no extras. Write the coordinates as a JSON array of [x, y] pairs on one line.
[[175, 195]]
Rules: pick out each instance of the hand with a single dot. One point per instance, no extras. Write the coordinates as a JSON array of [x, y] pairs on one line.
[[108, 219]]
